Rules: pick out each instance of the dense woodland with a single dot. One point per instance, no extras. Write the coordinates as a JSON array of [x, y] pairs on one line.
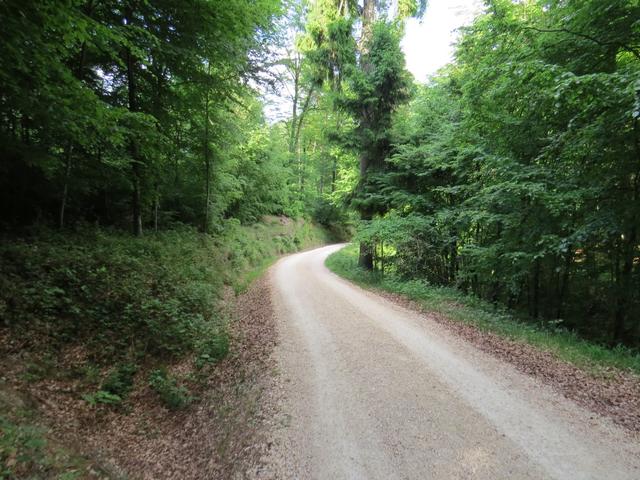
[[143, 168], [139, 113], [512, 174]]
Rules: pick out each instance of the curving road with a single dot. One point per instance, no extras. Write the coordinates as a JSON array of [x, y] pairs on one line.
[[375, 391]]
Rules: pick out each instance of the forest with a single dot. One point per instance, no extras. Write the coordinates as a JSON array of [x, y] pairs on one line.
[[144, 167], [514, 173]]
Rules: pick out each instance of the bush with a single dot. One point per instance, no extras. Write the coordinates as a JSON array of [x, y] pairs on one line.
[[102, 397], [174, 396], [115, 294], [120, 381], [132, 300], [212, 346], [22, 449], [27, 452]]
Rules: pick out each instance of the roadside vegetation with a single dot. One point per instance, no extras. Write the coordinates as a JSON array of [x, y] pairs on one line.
[[28, 451], [456, 305], [107, 317], [512, 173], [141, 188], [126, 300]]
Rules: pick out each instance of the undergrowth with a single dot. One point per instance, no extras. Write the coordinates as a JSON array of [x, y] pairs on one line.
[[118, 296], [128, 300], [249, 250], [27, 451], [458, 306], [106, 313]]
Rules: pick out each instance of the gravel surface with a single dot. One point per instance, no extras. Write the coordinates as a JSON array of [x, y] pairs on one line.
[[370, 389], [610, 392]]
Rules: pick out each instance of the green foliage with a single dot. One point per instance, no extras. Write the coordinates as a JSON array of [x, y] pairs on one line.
[[102, 397], [330, 45], [143, 114], [375, 91], [452, 303], [127, 300], [121, 112], [40, 367], [514, 173], [249, 250], [152, 296], [120, 381], [26, 452], [174, 396], [21, 449], [212, 346], [332, 217]]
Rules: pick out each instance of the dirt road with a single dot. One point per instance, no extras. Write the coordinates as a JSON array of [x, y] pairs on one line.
[[372, 390]]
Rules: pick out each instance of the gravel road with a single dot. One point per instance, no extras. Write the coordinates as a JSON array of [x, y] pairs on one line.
[[369, 389]]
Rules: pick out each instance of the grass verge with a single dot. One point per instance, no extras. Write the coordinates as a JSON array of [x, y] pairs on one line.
[[250, 250], [483, 315]]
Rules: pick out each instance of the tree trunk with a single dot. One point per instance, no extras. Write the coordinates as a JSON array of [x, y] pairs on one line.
[[368, 18], [536, 288], [65, 188], [365, 259], [135, 164], [453, 262], [136, 208], [207, 160], [79, 73], [294, 112], [136, 202], [156, 207], [564, 283], [334, 168], [624, 288]]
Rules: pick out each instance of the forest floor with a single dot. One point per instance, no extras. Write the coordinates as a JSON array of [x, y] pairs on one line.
[[370, 386], [211, 439], [50, 424]]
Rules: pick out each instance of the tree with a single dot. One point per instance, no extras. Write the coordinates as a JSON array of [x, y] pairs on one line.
[[101, 116], [379, 87], [514, 174]]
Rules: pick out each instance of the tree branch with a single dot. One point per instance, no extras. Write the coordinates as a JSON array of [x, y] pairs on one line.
[[624, 46]]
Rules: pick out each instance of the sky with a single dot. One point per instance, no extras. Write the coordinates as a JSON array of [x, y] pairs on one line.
[[428, 45]]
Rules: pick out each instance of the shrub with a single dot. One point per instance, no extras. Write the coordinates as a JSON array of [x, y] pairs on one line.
[[22, 449], [116, 294], [27, 452], [212, 346], [120, 381], [174, 396], [102, 397]]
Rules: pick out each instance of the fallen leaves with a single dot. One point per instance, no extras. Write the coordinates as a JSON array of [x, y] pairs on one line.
[[213, 438]]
